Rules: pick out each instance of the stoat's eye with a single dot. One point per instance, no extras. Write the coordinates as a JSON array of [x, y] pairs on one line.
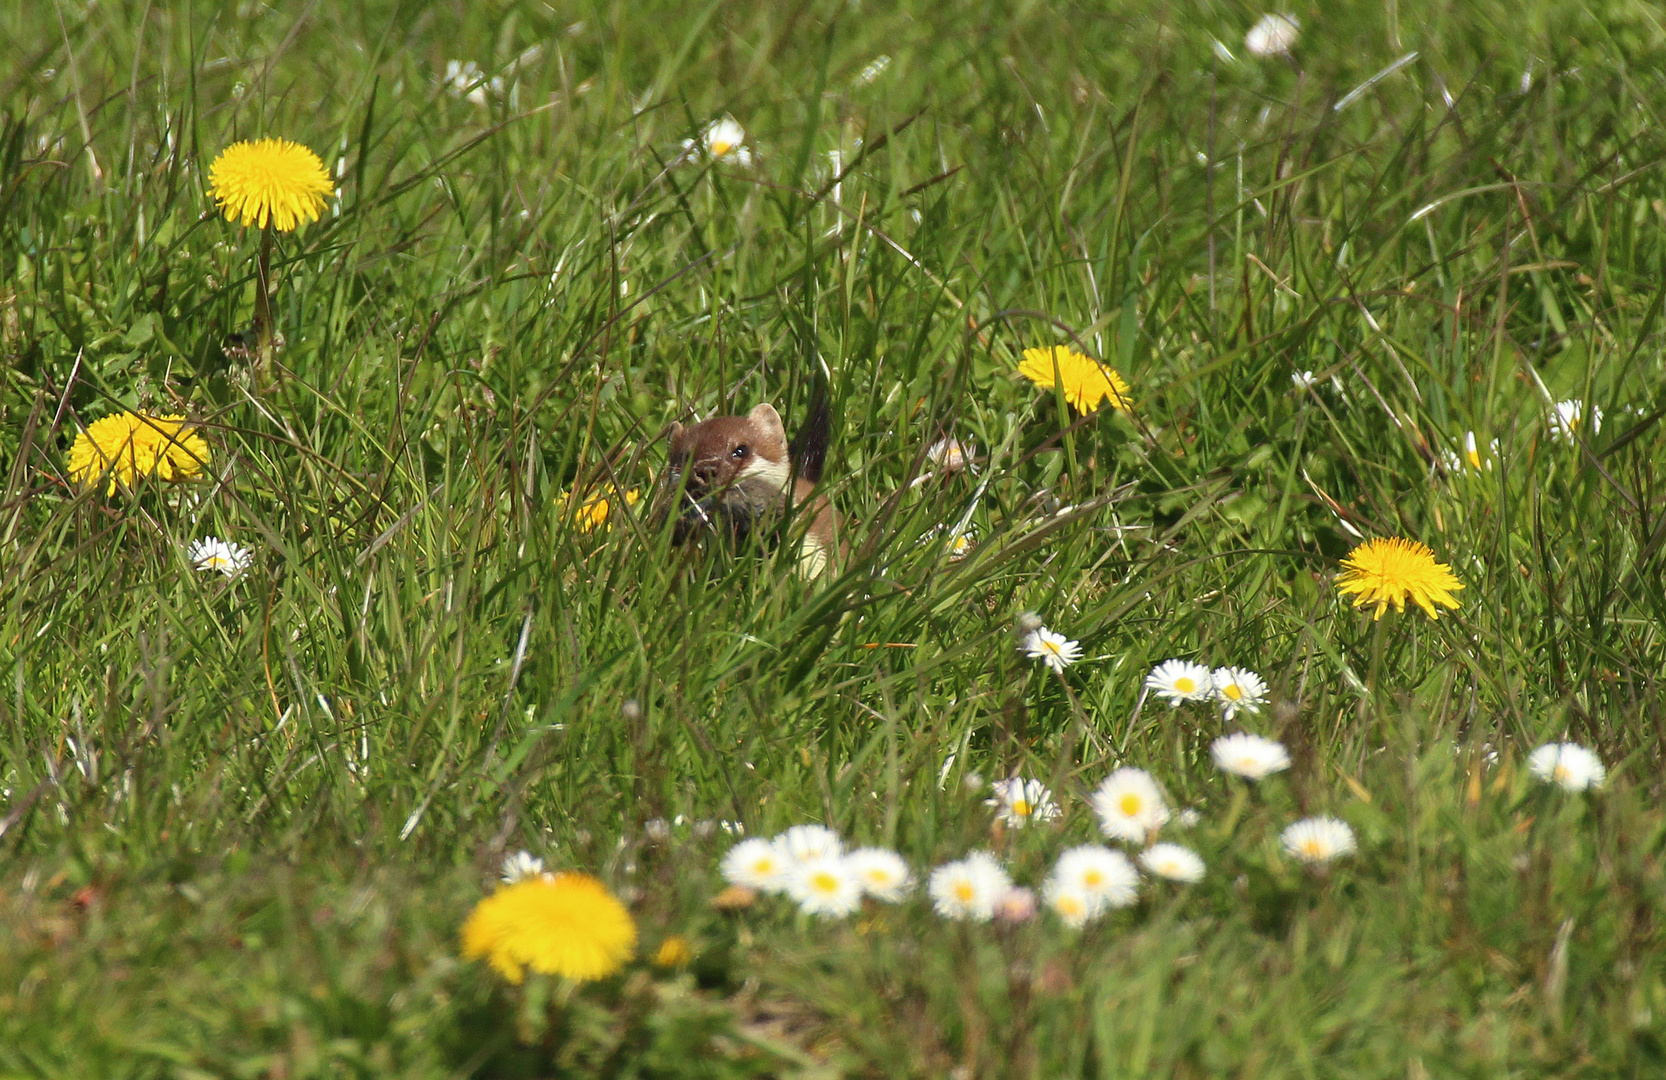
[[740, 452]]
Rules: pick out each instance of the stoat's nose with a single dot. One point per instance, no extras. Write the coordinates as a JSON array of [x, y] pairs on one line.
[[704, 474]]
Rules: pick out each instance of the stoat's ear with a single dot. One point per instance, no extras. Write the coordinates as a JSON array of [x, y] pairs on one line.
[[676, 430], [766, 418]]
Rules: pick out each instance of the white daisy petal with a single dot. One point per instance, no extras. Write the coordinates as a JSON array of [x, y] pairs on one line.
[[1238, 690], [1272, 35], [825, 887], [1567, 419], [1249, 756], [1074, 907], [1130, 805], [1318, 839], [212, 553], [1019, 802], [522, 864], [970, 888], [1567, 765], [1054, 650], [810, 843], [1173, 862], [725, 140], [881, 873], [1180, 681], [1103, 875], [757, 864]]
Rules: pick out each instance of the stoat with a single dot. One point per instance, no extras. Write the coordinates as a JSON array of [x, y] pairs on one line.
[[731, 473]]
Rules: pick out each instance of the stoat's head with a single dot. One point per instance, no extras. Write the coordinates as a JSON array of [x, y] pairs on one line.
[[732, 468]]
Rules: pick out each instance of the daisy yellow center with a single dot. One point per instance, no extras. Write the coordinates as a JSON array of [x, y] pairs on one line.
[[216, 562], [1184, 685], [1052, 647], [1233, 691], [1129, 804], [1562, 772], [764, 866], [1020, 807], [1475, 458], [877, 876], [1093, 879], [964, 892], [1312, 848], [1070, 905], [720, 147], [1247, 762], [825, 882], [1168, 867]]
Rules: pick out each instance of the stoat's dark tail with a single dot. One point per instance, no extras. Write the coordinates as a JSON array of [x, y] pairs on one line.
[[809, 446]]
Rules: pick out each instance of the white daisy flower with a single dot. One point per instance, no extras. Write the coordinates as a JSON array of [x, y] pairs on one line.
[[757, 864], [1566, 417], [1238, 689], [1180, 681], [1073, 906], [1052, 649], [1473, 455], [1567, 765], [1249, 756], [1272, 35], [1304, 380], [212, 553], [1022, 801], [825, 887], [723, 140], [970, 888], [1318, 839], [1174, 862], [1104, 876], [464, 79], [954, 545], [520, 865], [1129, 805], [881, 873], [810, 843], [950, 455]]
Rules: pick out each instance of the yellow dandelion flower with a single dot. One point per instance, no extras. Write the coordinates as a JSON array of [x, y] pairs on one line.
[[269, 182], [561, 924], [673, 952], [594, 512], [128, 446], [1087, 382], [1385, 572]]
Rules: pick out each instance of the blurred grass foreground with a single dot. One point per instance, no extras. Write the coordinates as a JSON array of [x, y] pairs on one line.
[[1246, 432]]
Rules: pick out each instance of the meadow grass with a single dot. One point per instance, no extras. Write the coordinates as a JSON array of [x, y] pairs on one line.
[[242, 819]]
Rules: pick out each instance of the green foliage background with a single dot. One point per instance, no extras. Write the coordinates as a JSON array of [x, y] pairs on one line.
[[240, 821]]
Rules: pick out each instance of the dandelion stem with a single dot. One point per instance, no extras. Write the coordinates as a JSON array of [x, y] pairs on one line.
[[1373, 675], [263, 308]]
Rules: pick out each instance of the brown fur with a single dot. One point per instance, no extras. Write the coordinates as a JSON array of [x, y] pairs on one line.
[[731, 473]]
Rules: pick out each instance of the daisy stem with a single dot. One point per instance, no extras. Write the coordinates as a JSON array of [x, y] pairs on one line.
[[1240, 795], [263, 308]]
